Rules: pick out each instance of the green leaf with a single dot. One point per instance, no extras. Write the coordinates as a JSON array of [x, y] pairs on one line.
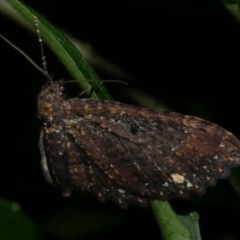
[[191, 222], [169, 223], [14, 224], [234, 8], [67, 53]]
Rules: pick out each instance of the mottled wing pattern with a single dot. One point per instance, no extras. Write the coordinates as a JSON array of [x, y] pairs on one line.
[[129, 154]]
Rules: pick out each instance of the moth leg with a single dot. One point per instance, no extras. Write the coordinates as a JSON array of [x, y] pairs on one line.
[[44, 164], [88, 89]]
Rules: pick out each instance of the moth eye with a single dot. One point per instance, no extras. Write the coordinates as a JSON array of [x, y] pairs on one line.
[[61, 88]]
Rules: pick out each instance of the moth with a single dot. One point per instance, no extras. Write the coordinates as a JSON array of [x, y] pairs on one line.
[[128, 154]]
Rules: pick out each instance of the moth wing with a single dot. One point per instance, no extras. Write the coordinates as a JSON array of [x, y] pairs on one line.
[[136, 154]]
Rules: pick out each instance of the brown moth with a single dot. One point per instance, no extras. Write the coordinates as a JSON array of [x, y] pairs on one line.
[[128, 154]]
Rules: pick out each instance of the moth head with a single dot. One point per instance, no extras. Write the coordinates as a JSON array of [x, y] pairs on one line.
[[50, 95]]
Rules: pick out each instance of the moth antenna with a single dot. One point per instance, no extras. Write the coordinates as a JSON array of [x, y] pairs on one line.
[[43, 57], [109, 81], [27, 57], [101, 81]]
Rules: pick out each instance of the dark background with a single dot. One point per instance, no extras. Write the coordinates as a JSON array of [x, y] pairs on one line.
[[183, 54]]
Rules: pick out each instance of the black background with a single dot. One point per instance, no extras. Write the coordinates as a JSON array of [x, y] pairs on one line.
[[184, 54]]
